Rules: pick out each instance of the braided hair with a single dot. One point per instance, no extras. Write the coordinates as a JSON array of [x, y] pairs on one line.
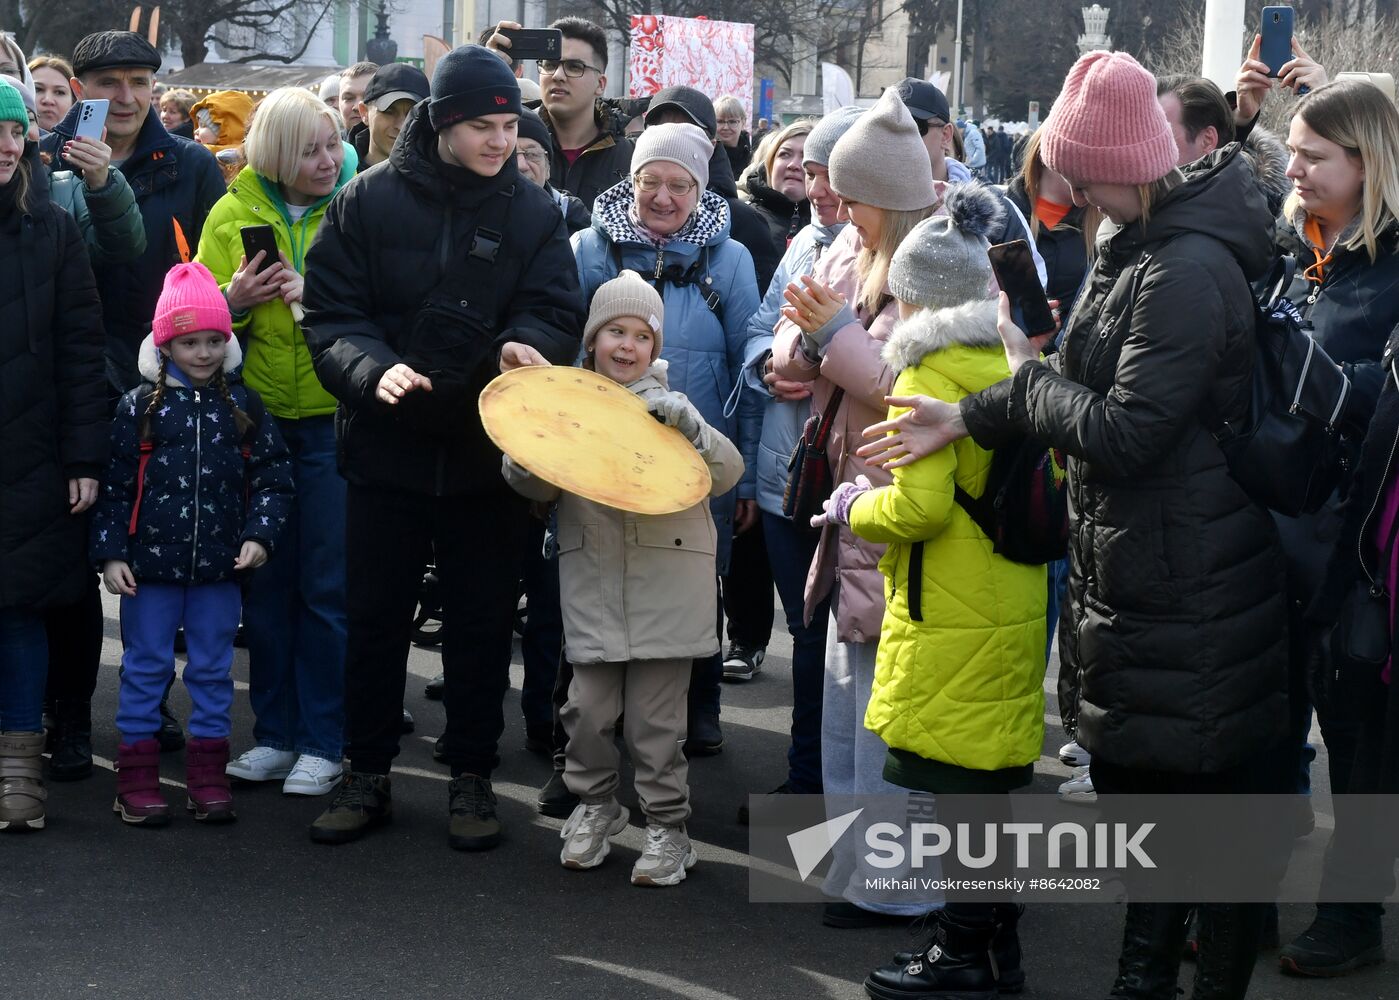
[[156, 397], [241, 420]]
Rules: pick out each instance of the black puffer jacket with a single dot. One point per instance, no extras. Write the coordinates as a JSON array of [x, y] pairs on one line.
[[1176, 623], [605, 161], [378, 256], [53, 410], [784, 217], [1064, 251]]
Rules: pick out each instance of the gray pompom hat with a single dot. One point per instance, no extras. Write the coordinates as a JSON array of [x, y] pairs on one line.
[[942, 263]]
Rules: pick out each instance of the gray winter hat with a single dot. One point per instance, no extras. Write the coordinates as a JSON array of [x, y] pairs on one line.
[[822, 139], [881, 160], [684, 145], [628, 294], [942, 263]]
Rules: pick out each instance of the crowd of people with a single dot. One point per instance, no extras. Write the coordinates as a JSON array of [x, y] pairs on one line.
[[283, 444]]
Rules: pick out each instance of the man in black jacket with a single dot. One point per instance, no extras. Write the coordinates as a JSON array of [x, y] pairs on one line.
[[427, 276], [589, 153]]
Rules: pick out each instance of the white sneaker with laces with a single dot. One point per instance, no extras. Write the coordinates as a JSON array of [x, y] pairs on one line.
[[587, 830], [667, 857], [1072, 754], [312, 776], [261, 764], [1079, 788]]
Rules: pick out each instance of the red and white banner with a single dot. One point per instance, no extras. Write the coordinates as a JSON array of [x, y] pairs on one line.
[[715, 57]]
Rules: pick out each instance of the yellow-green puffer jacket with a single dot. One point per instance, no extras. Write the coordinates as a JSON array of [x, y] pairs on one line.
[[276, 362], [965, 684]]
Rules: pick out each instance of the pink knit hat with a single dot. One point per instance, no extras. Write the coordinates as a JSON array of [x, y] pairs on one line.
[[1106, 126], [190, 302]]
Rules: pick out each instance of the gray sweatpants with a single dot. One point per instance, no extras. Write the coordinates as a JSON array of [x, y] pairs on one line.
[[653, 695]]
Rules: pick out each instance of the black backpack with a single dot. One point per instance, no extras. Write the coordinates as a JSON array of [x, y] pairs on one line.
[[1024, 509]]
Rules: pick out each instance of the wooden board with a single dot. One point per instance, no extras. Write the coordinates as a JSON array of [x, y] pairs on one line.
[[588, 435]]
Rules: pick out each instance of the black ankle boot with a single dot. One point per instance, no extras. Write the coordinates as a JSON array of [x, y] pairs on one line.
[[1152, 938], [1343, 937], [1229, 936], [956, 961], [1005, 948], [72, 741], [170, 736]]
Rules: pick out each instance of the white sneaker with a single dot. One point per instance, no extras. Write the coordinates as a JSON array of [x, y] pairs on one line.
[[587, 830], [261, 764], [312, 776], [1074, 755], [1079, 788], [667, 857]]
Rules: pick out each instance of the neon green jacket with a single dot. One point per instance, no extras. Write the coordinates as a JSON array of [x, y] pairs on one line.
[[959, 677], [276, 362]]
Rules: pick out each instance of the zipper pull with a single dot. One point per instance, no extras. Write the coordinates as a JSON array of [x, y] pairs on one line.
[[660, 263]]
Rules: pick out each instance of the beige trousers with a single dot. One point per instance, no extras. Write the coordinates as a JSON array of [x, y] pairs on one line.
[[652, 693]]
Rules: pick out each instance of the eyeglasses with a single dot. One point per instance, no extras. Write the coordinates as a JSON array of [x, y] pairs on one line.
[[731, 122], [650, 183], [572, 68], [534, 155]]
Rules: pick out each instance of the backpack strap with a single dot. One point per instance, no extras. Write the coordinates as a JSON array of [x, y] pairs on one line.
[[147, 448], [257, 412], [697, 274], [470, 279]]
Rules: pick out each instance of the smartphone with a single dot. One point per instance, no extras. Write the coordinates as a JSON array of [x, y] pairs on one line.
[[257, 238], [1015, 273], [1276, 48], [534, 43], [92, 119]]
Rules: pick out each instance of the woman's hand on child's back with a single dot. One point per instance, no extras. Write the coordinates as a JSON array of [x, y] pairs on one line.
[[251, 556], [929, 425], [117, 578], [250, 287]]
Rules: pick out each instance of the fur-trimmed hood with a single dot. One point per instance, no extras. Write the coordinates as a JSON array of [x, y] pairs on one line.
[[1268, 157], [972, 324], [148, 361]]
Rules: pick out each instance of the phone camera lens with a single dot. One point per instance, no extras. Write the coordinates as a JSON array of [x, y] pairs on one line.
[[1277, 18]]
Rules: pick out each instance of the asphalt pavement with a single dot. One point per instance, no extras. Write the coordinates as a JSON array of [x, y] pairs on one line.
[[92, 908]]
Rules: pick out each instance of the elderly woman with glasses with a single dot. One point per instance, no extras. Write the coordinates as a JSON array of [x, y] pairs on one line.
[[663, 223], [732, 132], [532, 144]]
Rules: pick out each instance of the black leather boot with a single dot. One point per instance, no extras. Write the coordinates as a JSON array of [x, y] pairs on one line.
[[1343, 937], [72, 741], [1229, 936], [170, 736], [1152, 938], [1005, 948], [955, 964]]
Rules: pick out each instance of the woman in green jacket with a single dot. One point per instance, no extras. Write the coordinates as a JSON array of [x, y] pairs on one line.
[[295, 607], [958, 693]]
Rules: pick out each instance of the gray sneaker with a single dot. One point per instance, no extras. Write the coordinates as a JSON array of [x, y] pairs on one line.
[[667, 857], [473, 824], [586, 832], [360, 803]]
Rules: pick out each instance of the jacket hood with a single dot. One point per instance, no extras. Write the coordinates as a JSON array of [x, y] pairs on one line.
[[657, 378], [148, 361], [709, 226], [230, 111], [971, 324], [1221, 198], [1268, 157], [414, 155]]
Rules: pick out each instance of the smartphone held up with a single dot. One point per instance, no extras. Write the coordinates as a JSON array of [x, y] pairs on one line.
[[1014, 267]]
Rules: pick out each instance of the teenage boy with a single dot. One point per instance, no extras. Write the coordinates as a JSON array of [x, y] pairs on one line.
[[426, 278]]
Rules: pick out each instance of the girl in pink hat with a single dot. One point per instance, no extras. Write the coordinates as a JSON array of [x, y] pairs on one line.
[[197, 492]]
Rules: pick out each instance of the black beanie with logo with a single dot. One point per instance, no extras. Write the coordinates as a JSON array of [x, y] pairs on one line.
[[469, 82]]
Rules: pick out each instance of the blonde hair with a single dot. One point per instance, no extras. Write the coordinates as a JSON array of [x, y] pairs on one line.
[[730, 106], [1359, 118], [286, 120], [873, 262], [1030, 174], [802, 126], [181, 98]]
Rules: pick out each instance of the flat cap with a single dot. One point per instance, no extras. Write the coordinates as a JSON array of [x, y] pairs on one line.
[[105, 49]]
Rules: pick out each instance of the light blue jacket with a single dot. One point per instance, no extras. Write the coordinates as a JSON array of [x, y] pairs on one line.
[[782, 422], [705, 355]]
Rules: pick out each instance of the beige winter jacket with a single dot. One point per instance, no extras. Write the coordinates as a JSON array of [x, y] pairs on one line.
[[634, 586]]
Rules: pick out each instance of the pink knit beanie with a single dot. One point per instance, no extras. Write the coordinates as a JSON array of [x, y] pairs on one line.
[[190, 302], [1106, 126]]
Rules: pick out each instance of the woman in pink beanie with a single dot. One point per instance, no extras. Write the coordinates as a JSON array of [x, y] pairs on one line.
[[198, 489], [1173, 637]]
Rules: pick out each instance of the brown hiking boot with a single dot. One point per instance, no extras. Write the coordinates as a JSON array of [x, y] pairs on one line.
[[360, 802], [22, 793]]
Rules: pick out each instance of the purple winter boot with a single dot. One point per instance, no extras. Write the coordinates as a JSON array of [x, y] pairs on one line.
[[138, 784], [209, 795]]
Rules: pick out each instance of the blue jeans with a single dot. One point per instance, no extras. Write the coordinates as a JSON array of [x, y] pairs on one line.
[[294, 609], [1058, 583], [209, 613], [24, 668], [790, 552]]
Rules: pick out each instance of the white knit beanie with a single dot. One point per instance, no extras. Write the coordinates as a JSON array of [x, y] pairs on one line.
[[684, 145], [628, 294], [881, 160]]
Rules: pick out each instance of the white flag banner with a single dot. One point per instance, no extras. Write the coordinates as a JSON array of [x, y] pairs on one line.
[[837, 89]]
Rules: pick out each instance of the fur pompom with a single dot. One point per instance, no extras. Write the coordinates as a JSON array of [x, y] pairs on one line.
[[974, 209]]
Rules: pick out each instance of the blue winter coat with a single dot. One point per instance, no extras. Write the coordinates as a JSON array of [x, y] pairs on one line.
[[782, 421], [201, 500], [175, 181], [705, 355]]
